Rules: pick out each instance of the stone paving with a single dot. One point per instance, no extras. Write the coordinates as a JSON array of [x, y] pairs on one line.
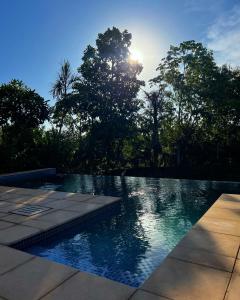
[[204, 265]]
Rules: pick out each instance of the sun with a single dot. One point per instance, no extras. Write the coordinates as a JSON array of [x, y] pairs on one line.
[[135, 56]]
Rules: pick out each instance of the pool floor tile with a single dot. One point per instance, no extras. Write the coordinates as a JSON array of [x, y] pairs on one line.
[[212, 242], [90, 287], [180, 280], [204, 258], [10, 258], [33, 279]]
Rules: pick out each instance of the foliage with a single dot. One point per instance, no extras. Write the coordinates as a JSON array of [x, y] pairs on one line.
[[22, 111], [189, 119], [107, 91]]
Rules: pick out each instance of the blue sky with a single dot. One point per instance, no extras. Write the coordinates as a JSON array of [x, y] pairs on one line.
[[36, 36]]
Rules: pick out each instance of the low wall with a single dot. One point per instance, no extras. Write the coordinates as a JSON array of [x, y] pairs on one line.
[[26, 175]]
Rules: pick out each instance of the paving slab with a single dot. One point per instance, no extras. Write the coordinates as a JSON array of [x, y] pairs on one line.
[[14, 198], [25, 191], [16, 233], [226, 204], [143, 295], [4, 224], [84, 207], [212, 242], [90, 287], [229, 198], [10, 207], [233, 292], [237, 267], [204, 258], [224, 213], [40, 224], [218, 225], [33, 279], [61, 204], [11, 258], [180, 280], [41, 200], [4, 204], [103, 200], [7, 190], [58, 217], [3, 214], [28, 199], [4, 188], [14, 218], [59, 195], [80, 197]]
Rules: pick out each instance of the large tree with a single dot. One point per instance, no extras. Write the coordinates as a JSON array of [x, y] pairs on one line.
[[108, 86], [22, 111], [189, 71], [21, 107]]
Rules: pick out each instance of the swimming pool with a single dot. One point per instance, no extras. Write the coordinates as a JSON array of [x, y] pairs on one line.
[[132, 241]]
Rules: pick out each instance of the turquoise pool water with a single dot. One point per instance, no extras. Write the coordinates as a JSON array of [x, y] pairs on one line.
[[128, 244]]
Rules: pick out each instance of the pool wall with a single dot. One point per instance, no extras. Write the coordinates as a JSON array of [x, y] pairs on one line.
[[26, 175]]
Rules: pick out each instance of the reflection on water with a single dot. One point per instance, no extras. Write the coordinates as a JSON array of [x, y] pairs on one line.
[[127, 245]]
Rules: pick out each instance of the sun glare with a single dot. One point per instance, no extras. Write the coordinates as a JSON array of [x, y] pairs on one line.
[[135, 56]]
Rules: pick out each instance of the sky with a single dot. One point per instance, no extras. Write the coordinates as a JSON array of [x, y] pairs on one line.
[[36, 36]]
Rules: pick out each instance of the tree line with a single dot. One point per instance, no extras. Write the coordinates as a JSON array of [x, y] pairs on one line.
[[187, 123]]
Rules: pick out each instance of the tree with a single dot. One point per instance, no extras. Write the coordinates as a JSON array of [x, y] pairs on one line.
[[22, 111], [61, 91], [21, 107], [109, 85], [189, 71]]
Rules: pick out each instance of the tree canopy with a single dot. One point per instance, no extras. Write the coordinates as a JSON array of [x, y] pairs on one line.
[[185, 124], [21, 106]]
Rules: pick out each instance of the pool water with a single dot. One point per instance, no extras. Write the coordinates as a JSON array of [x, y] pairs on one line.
[[128, 244]]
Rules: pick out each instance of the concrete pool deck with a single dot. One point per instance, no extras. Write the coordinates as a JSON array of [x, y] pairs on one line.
[[204, 265]]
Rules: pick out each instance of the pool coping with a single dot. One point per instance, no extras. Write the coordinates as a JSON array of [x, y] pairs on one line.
[[8, 178], [204, 265]]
